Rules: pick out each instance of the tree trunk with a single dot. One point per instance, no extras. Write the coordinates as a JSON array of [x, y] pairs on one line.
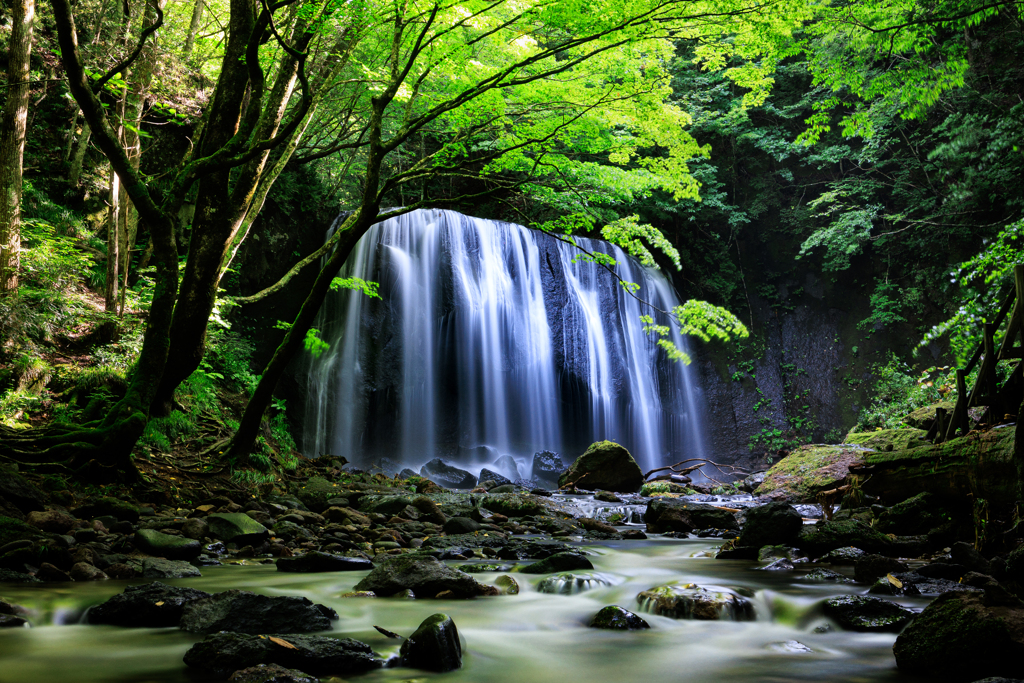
[[193, 30], [78, 160], [12, 141]]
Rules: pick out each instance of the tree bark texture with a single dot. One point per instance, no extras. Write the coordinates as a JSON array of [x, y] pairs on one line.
[[193, 30], [12, 141]]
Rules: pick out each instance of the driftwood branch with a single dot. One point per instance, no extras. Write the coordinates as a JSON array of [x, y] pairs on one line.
[[725, 469]]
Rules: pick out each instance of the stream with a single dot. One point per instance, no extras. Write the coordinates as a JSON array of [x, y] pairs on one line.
[[532, 636]]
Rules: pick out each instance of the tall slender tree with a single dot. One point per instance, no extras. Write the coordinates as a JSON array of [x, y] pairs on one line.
[[12, 141]]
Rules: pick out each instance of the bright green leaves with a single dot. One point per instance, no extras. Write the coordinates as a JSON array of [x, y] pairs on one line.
[[630, 234], [696, 319], [357, 284]]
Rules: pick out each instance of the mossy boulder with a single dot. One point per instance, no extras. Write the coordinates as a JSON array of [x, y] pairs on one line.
[[617, 618], [559, 562], [152, 542], [225, 652], [691, 601], [660, 488], [108, 506], [863, 613], [773, 524], [825, 536], [888, 439], [960, 637], [15, 530], [981, 464], [918, 514], [425, 576], [604, 466], [317, 492], [922, 418], [667, 514], [807, 471], [236, 527], [512, 504]]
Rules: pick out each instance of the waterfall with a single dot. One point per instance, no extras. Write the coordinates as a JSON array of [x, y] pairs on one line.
[[490, 339]]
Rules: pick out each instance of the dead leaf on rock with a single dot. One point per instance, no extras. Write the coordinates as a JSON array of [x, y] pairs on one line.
[[282, 643]]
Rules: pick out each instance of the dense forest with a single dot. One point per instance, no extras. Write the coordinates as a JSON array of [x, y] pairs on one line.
[[831, 193]]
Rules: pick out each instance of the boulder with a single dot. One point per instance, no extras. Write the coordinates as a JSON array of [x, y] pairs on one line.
[[343, 515], [83, 571], [491, 475], [887, 440], [461, 525], [507, 585], [12, 530], [151, 605], [869, 567], [959, 636], [847, 555], [247, 612], [223, 653], [429, 510], [922, 418], [604, 466], [617, 618], [559, 562], [433, 646], [670, 514], [916, 515], [912, 583], [12, 621], [21, 492], [691, 601], [449, 476], [862, 613], [108, 506], [237, 528], [547, 466], [271, 673], [425, 576], [159, 568], [197, 528], [822, 574], [773, 524], [568, 583], [808, 470], [829, 535], [153, 542], [52, 521], [316, 561]]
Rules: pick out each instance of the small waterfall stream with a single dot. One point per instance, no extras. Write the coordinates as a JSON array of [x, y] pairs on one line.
[[491, 339]]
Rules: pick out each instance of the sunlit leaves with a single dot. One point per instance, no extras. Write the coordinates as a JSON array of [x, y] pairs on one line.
[[358, 284]]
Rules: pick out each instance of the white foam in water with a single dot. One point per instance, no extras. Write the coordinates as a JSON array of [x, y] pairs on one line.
[[491, 335]]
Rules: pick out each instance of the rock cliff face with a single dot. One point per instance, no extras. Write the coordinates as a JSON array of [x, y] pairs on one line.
[[805, 373]]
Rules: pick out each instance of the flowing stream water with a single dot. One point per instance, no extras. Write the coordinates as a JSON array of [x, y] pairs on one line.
[[490, 339], [531, 637]]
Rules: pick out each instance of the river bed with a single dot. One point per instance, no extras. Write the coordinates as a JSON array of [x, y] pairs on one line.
[[531, 637]]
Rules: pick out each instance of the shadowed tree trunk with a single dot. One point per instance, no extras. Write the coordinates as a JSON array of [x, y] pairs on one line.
[[12, 141]]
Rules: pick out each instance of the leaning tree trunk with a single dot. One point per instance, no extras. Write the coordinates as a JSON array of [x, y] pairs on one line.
[[220, 214], [193, 30], [12, 141]]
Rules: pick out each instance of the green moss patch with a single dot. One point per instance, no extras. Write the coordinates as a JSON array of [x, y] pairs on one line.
[[808, 470], [888, 439]]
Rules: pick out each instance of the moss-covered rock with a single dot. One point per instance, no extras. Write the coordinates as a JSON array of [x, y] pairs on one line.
[[980, 464], [425, 576], [605, 466], [317, 492], [691, 601], [655, 488], [434, 646], [959, 637], [808, 470], [114, 507], [665, 515], [862, 613], [826, 536], [512, 504], [922, 418], [15, 530], [888, 439], [918, 514], [618, 619]]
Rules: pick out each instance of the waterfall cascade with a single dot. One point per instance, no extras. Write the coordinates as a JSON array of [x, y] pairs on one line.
[[492, 339]]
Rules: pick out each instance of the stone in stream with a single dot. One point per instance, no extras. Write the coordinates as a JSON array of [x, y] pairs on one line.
[[547, 465], [433, 646], [461, 525], [822, 574], [964, 637], [271, 673], [425, 576], [52, 521], [618, 619], [669, 514], [449, 476], [150, 605], [507, 585], [316, 561], [771, 524], [491, 475], [568, 583], [912, 583], [237, 528], [842, 556], [247, 612], [12, 621], [830, 535], [862, 613], [869, 567], [159, 568], [605, 466], [691, 601], [222, 653], [153, 542], [559, 562]]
